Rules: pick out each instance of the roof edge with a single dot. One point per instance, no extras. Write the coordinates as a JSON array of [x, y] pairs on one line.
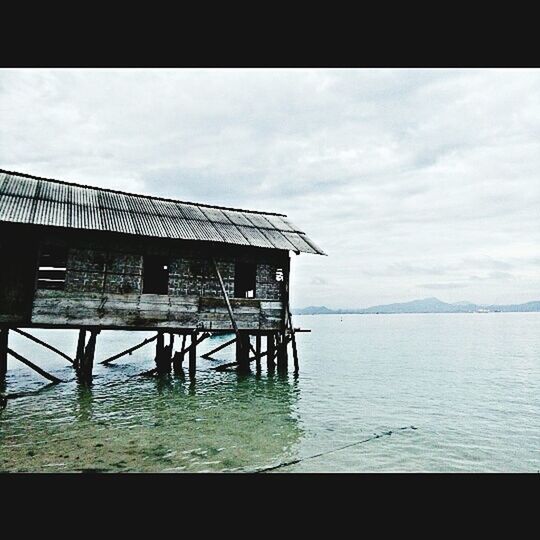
[[153, 197]]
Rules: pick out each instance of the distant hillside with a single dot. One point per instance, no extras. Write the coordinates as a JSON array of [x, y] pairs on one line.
[[427, 305]]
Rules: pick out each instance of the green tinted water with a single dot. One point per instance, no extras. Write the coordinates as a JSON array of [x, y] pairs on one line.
[[470, 383]]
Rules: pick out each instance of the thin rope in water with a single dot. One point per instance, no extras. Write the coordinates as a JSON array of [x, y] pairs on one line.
[[299, 460]]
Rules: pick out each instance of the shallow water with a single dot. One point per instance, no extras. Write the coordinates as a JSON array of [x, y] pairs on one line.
[[469, 383]]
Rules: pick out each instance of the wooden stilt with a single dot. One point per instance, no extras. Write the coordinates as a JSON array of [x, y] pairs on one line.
[[127, 351], [282, 359], [163, 364], [33, 366], [228, 304], [242, 352], [270, 348], [193, 354], [293, 339], [178, 358], [222, 346], [4, 332], [80, 348], [86, 364], [258, 352], [40, 342]]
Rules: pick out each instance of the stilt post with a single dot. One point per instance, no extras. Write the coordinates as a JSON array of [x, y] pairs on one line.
[[80, 348], [193, 354], [282, 358], [178, 357], [4, 332], [270, 348], [163, 362], [86, 363], [242, 352], [258, 352]]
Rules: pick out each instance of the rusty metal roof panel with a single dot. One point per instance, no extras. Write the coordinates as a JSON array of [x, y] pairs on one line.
[[167, 208], [298, 242], [12, 185], [53, 213], [39, 201], [280, 224], [51, 191], [231, 234], [278, 240], [258, 221], [191, 212], [149, 225], [215, 215], [16, 209], [114, 201], [238, 218], [139, 205], [204, 230], [255, 237], [85, 217], [177, 228], [117, 221], [312, 244]]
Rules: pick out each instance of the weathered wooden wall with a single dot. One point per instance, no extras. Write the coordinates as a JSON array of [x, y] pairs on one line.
[[104, 284]]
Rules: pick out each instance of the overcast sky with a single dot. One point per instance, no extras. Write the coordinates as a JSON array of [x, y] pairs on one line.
[[417, 183]]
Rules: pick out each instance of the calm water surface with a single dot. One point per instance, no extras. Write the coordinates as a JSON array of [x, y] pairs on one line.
[[469, 383]]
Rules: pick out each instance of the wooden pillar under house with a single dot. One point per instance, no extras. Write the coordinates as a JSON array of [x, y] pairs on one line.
[[80, 348], [163, 355], [270, 348], [282, 357], [242, 352], [4, 333], [86, 362], [178, 358], [193, 354], [258, 352]]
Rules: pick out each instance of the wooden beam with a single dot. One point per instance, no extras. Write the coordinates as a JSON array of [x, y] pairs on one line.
[[293, 339], [282, 359], [128, 351], [33, 366], [222, 346], [224, 367], [228, 303], [37, 340]]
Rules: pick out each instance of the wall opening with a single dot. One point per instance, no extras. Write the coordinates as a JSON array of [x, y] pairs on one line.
[[52, 268], [245, 275], [155, 274]]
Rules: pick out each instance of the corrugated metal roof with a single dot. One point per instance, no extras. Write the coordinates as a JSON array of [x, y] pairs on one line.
[[40, 201]]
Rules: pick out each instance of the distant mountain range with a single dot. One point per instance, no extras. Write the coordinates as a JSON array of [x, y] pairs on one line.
[[427, 305]]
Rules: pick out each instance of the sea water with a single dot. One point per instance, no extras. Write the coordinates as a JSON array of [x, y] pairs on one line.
[[469, 385]]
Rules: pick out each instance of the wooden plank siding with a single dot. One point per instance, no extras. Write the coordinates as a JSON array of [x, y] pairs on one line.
[[104, 283], [151, 311]]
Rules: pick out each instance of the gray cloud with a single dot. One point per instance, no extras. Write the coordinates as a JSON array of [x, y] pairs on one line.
[[402, 176], [444, 286]]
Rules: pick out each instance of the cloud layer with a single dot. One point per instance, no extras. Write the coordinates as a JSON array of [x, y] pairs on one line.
[[413, 181]]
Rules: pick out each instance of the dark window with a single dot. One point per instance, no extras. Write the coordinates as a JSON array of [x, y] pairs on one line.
[[155, 274], [52, 268], [244, 280]]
